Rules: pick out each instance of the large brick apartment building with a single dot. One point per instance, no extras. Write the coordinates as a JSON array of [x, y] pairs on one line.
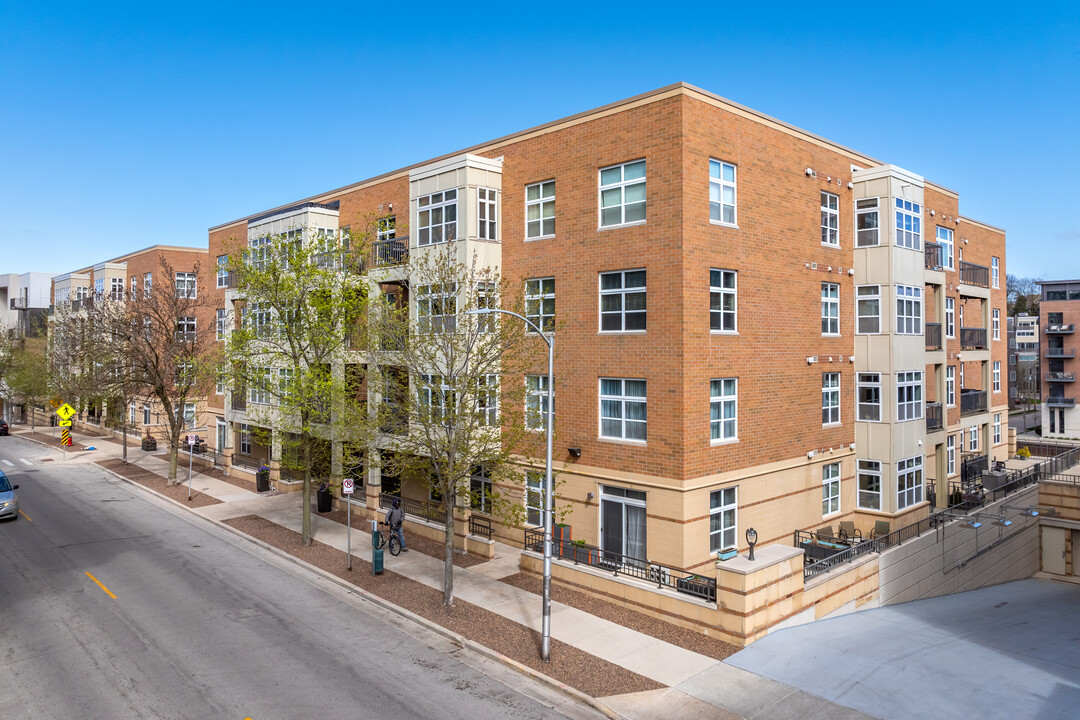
[[756, 326], [1060, 306]]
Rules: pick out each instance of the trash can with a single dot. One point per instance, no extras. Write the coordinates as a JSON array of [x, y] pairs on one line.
[[262, 480], [325, 500]]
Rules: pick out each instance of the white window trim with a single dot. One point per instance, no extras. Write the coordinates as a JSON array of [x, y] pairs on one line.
[[539, 297], [733, 506], [541, 394], [622, 185], [948, 247], [828, 392], [490, 203], [908, 209], [995, 272], [950, 455], [995, 323], [733, 291], [910, 298], [950, 317], [997, 376], [950, 386], [622, 291], [907, 379], [997, 428], [540, 202], [860, 298], [862, 380], [859, 472], [827, 484], [721, 183], [722, 400], [830, 213], [867, 209], [830, 302], [622, 399], [916, 493], [443, 203]]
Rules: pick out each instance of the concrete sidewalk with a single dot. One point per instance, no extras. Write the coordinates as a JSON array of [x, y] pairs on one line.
[[698, 686]]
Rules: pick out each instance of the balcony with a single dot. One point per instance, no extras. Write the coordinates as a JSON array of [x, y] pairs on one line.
[[1061, 377], [972, 402], [1052, 352], [935, 256], [1061, 402], [394, 251], [1060, 329], [972, 274], [238, 401], [973, 338], [18, 303], [935, 417], [933, 336]]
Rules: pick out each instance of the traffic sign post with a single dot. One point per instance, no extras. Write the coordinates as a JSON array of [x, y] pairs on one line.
[[347, 489], [65, 411], [191, 440]]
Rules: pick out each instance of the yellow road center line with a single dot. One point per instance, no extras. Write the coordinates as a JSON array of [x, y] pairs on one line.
[[25, 516], [107, 591]]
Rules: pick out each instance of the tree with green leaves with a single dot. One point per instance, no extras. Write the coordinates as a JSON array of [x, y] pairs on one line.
[[302, 306], [454, 384], [28, 374]]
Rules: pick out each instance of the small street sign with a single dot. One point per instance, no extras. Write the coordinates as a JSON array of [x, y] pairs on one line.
[[55, 401], [65, 423], [65, 411], [347, 486], [192, 439], [65, 436]]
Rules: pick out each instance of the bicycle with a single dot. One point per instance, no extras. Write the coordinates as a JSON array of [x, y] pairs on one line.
[[388, 536]]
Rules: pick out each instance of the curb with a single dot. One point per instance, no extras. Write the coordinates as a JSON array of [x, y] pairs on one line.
[[453, 637]]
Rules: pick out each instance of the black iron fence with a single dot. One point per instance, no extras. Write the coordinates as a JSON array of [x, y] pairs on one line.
[[934, 254], [973, 338], [391, 252], [933, 336], [427, 509], [972, 402], [480, 526], [664, 576]]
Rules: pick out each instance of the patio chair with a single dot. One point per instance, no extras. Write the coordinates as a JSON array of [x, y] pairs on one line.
[[881, 529], [824, 533], [849, 532]]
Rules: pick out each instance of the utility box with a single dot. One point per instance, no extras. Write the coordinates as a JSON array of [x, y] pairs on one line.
[[376, 551]]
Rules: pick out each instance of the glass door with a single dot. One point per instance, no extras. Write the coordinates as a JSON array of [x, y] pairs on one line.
[[622, 526]]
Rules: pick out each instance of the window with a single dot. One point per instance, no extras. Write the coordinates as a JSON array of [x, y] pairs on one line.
[[132, 413], [995, 324], [962, 325], [721, 192], [909, 482], [116, 289], [722, 300], [99, 287], [385, 229], [134, 286], [724, 408], [145, 414], [540, 302], [866, 222], [437, 218], [480, 490], [189, 415], [622, 301], [908, 224], [185, 285], [830, 398], [723, 511], [259, 390], [950, 385], [1050, 294], [436, 308], [962, 376], [945, 240], [534, 498], [487, 297], [830, 489], [540, 210], [287, 386], [973, 438], [908, 310], [995, 273], [950, 454], [830, 219], [950, 317], [869, 390], [997, 376], [486, 214], [868, 307], [245, 439], [869, 485], [908, 396], [185, 329], [623, 413], [436, 398], [222, 271], [221, 326], [830, 309], [997, 428], [622, 194], [536, 401]]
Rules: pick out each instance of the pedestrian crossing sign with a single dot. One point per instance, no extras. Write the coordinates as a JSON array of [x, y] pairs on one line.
[[65, 411]]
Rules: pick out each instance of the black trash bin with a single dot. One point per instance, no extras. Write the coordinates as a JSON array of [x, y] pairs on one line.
[[325, 500], [262, 481]]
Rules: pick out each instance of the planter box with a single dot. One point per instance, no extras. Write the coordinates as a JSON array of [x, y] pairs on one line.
[[727, 554], [262, 480], [149, 444]]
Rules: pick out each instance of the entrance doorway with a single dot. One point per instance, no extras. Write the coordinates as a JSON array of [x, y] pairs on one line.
[[622, 526]]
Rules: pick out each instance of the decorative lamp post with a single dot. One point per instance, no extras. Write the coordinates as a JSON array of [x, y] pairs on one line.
[[545, 619], [751, 540]]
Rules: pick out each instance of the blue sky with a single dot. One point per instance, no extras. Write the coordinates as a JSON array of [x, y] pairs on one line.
[[127, 124]]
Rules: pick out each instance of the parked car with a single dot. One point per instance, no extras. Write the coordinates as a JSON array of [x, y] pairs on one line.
[[3, 427], [9, 504]]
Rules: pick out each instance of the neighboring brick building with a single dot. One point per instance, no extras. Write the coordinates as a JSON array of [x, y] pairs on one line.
[[1060, 305]]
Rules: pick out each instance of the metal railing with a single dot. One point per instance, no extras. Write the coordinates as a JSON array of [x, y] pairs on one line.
[[1052, 352], [935, 255], [935, 417], [664, 576], [973, 338], [933, 336], [972, 402], [391, 252], [1059, 401], [972, 274], [427, 509], [1060, 329], [1061, 377], [248, 461], [238, 400], [480, 526]]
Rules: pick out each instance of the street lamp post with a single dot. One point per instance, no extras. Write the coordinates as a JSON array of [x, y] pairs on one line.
[[545, 620]]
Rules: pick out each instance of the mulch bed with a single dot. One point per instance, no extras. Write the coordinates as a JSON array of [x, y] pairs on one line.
[[157, 483], [210, 471], [645, 624], [569, 665], [433, 548], [53, 441]]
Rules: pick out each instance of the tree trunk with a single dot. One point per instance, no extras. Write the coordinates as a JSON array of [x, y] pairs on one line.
[[172, 463], [448, 567], [305, 523], [123, 438]]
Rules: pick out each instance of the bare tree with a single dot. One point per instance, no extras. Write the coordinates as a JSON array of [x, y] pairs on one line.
[[1022, 295]]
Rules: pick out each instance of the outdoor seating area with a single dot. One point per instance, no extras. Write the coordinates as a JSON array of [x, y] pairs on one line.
[[821, 543]]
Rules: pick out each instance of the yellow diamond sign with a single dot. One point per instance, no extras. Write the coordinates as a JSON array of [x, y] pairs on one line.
[[65, 411]]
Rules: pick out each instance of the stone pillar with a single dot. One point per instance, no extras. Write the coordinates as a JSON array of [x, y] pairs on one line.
[[275, 455], [755, 595]]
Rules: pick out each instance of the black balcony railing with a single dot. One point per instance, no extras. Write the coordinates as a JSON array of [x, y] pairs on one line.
[[973, 338], [933, 336], [480, 526], [427, 509], [664, 576], [238, 401], [1060, 352], [1060, 377], [972, 402], [935, 417], [972, 274], [391, 252], [935, 256], [1060, 329], [1060, 401]]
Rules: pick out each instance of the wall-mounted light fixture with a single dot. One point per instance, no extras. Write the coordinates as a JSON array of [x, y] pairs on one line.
[[589, 497], [574, 451]]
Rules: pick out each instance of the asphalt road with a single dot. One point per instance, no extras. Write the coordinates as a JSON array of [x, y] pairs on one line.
[[115, 605], [1025, 421]]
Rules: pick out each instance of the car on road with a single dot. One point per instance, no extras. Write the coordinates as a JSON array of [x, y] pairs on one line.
[[9, 504], [3, 427]]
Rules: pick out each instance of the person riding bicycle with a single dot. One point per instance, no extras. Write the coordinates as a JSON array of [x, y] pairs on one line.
[[395, 517]]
